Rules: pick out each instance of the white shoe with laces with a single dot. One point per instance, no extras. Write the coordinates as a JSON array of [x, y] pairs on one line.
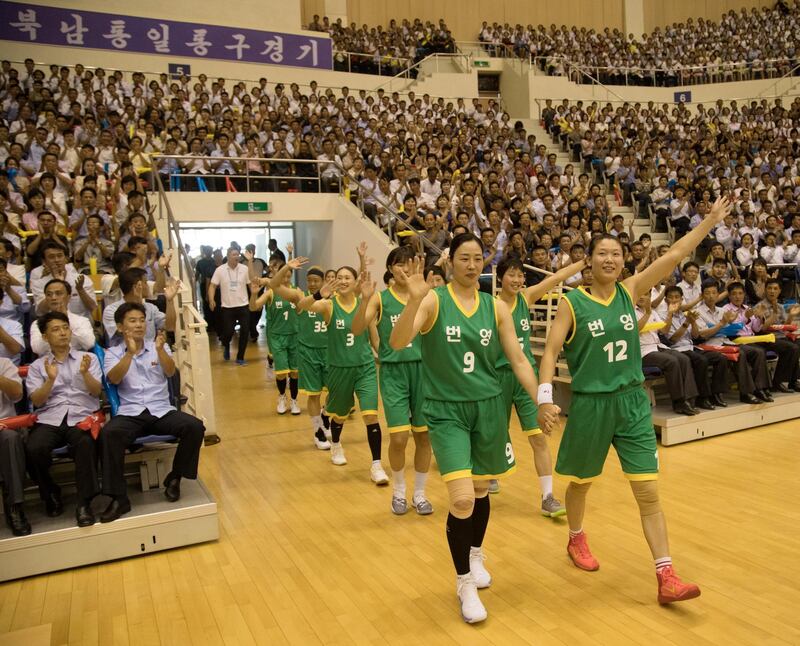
[[378, 475], [282, 407], [337, 454], [322, 445], [476, 568], [472, 609], [295, 408]]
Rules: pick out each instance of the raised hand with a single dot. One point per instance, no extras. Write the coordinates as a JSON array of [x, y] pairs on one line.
[[329, 288], [290, 248], [367, 285], [415, 280], [249, 255], [161, 339], [296, 263], [51, 369], [79, 281], [722, 207], [86, 361], [164, 260], [172, 288]]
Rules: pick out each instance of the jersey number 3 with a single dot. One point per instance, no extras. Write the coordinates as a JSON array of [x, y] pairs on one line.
[[622, 351]]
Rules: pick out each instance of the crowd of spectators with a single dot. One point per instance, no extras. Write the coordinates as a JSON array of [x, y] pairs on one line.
[[385, 51], [750, 44]]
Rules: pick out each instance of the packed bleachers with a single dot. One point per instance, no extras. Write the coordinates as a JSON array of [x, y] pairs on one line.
[[753, 43]]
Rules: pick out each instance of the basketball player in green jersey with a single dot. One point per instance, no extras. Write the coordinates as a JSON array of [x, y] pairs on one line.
[[312, 343], [518, 299], [400, 381], [598, 330], [351, 365], [464, 331], [281, 337]]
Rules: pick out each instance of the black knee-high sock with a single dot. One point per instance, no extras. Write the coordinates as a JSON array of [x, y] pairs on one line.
[[459, 536], [281, 386], [480, 519], [374, 440], [293, 387], [325, 419], [336, 430]]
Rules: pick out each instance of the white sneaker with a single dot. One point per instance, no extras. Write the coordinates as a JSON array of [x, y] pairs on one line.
[[322, 445], [476, 568], [378, 475], [337, 455], [295, 408], [472, 610], [328, 434], [282, 408]]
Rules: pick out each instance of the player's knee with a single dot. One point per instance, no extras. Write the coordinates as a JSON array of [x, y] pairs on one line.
[[398, 440], [462, 505], [422, 439], [578, 488], [370, 419], [481, 490], [646, 494]]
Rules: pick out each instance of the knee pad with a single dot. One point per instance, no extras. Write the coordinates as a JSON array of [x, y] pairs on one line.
[[462, 497], [646, 494]]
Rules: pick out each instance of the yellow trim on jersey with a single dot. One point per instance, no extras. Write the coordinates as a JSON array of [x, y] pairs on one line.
[[455, 475], [574, 320], [496, 315], [435, 316], [633, 300], [279, 373], [419, 429], [338, 418], [572, 478], [638, 477], [469, 315], [494, 476], [399, 429], [379, 316], [605, 303], [397, 298], [355, 303], [532, 431]]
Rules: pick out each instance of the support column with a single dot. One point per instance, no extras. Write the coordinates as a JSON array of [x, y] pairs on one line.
[[336, 9], [633, 16]]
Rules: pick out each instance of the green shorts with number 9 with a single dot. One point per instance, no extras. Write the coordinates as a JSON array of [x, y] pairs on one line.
[[595, 422], [347, 382], [313, 366], [284, 352], [470, 439], [514, 395]]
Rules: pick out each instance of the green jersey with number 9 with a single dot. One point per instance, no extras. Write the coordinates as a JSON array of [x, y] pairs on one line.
[[345, 349], [602, 349], [460, 350]]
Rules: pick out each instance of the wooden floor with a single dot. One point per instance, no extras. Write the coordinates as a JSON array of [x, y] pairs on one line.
[[310, 553]]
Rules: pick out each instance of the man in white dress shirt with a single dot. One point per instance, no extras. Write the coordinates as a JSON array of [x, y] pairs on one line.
[[231, 279]]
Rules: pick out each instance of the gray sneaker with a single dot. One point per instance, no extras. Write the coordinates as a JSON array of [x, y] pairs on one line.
[[552, 507], [423, 506], [494, 486], [399, 506]]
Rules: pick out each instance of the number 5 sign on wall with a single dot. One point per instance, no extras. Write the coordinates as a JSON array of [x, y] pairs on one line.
[[176, 70]]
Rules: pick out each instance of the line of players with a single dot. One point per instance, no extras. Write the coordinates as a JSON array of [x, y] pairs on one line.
[[453, 362]]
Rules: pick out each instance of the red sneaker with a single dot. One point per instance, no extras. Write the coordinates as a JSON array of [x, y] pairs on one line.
[[671, 588], [578, 550]]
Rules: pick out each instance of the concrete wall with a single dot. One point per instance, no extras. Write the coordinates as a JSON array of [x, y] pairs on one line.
[[327, 227]]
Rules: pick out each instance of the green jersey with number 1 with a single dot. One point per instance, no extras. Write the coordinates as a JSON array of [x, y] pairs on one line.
[[312, 330], [602, 349], [391, 308], [281, 316], [345, 349], [461, 349]]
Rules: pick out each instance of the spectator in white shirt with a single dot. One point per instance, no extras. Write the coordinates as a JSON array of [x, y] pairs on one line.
[[82, 300], [747, 252], [231, 278], [771, 252], [690, 285], [57, 293]]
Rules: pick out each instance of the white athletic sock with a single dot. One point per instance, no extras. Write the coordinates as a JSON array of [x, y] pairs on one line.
[[316, 423], [419, 485], [546, 483], [399, 483], [662, 563], [574, 533]]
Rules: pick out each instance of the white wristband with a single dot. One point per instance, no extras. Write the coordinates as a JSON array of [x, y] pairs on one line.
[[544, 395]]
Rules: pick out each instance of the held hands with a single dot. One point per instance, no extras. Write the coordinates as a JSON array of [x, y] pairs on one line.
[[548, 417], [51, 369], [85, 363]]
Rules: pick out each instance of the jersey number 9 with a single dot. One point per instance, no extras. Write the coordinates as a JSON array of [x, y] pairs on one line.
[[469, 362]]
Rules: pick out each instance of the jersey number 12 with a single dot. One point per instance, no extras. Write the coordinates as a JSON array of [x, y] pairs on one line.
[[622, 351]]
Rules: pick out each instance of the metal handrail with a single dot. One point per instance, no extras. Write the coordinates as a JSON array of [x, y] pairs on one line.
[[436, 55], [790, 73], [583, 72]]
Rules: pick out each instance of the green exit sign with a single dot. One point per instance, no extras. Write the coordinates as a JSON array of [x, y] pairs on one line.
[[249, 207], [480, 63]]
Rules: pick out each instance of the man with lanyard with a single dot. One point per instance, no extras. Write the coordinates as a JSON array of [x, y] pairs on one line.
[[231, 279]]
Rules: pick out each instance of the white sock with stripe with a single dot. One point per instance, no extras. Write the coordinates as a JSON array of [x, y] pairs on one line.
[[663, 562]]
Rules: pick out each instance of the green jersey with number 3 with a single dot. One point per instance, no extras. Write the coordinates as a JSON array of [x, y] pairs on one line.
[[281, 316], [521, 315], [391, 308], [345, 349], [312, 330], [602, 349], [461, 349]]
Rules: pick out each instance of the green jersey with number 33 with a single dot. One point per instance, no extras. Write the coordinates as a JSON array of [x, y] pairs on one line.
[[345, 349], [602, 349], [461, 349]]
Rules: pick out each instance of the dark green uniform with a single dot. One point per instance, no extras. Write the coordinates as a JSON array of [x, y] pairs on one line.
[[351, 368], [282, 334], [609, 405], [464, 407], [513, 392], [400, 371], [312, 352]]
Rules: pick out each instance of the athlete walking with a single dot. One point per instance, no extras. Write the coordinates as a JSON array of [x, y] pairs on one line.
[[401, 382], [597, 327], [463, 333]]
